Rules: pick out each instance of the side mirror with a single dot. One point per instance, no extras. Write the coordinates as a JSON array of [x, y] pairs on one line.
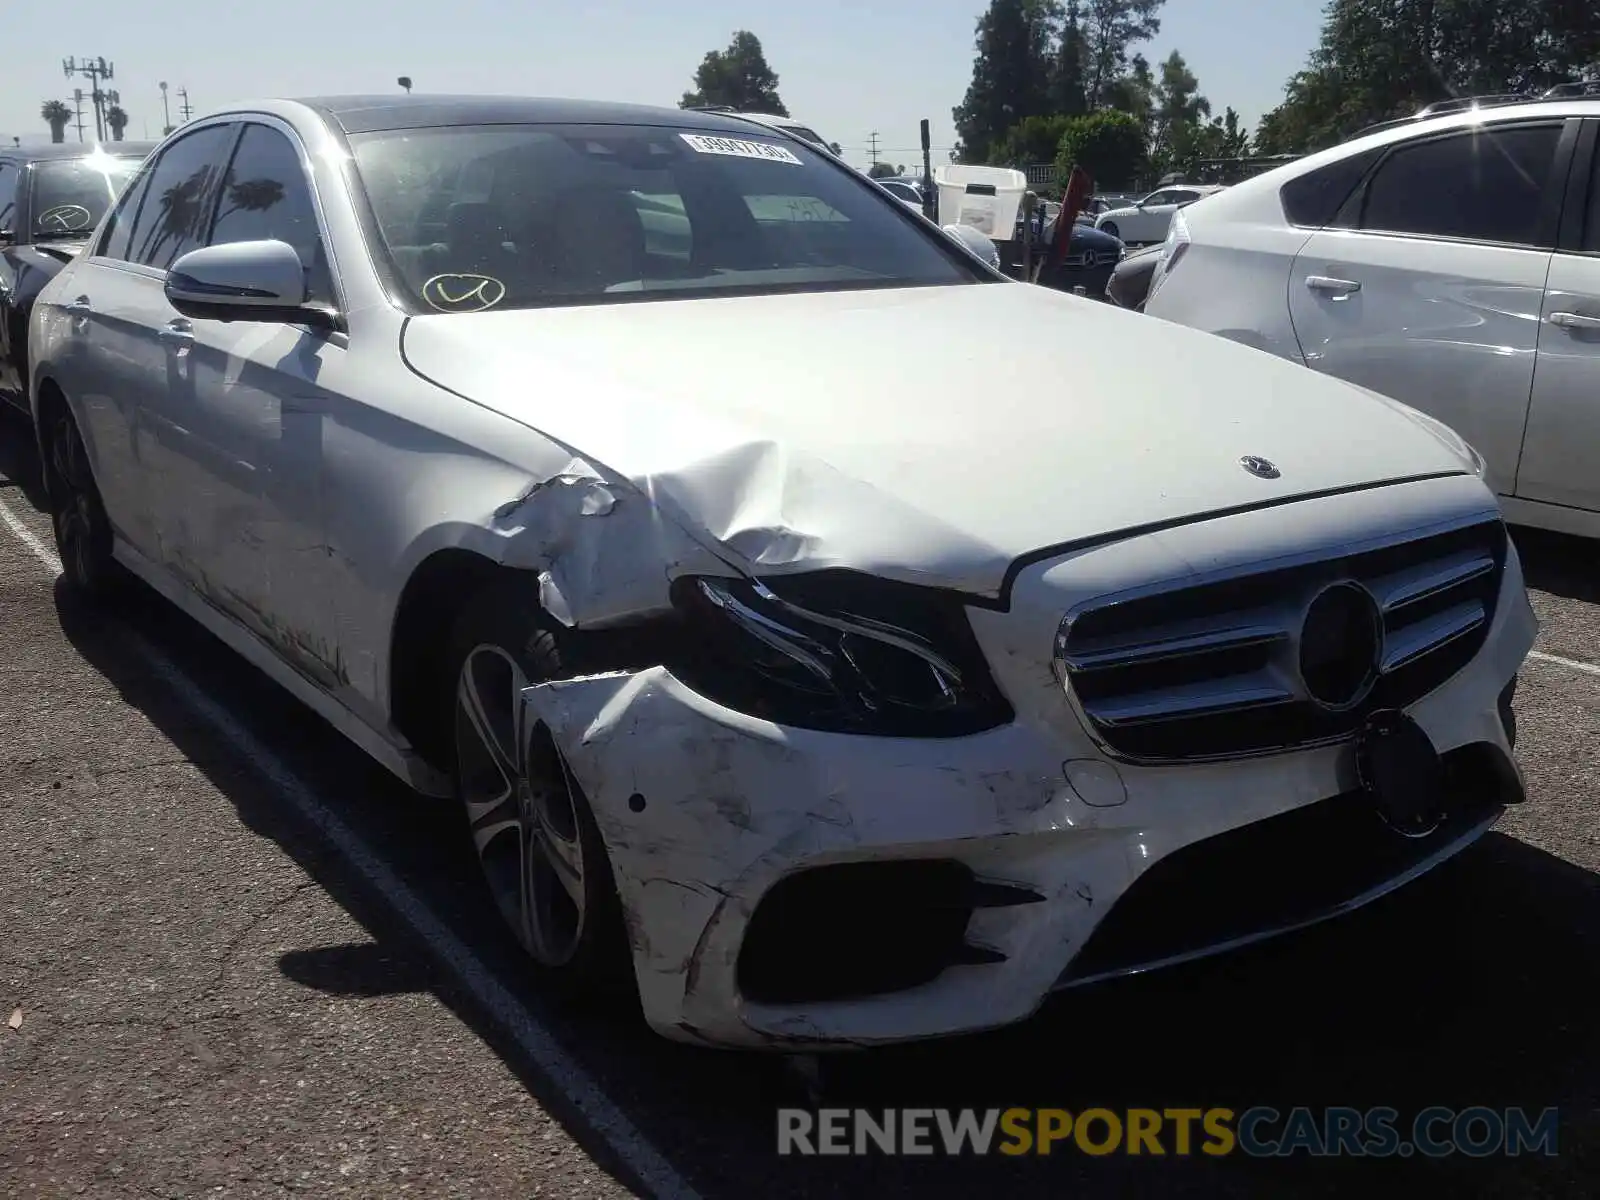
[[244, 281]]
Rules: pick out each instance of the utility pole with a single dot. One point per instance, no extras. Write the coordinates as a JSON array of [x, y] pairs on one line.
[[77, 107], [874, 136], [186, 110], [96, 71], [166, 112]]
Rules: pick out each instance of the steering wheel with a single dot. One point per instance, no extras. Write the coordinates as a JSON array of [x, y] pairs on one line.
[[64, 218]]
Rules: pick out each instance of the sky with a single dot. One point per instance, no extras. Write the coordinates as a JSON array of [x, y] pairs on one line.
[[849, 68]]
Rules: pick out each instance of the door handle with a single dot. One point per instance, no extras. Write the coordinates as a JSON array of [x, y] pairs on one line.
[[1334, 287], [1572, 320]]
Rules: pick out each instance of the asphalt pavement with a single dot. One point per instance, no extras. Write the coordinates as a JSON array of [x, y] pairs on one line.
[[247, 962]]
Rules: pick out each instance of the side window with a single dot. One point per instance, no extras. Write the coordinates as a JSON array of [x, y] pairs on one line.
[[1487, 185], [265, 196], [119, 225], [1158, 198], [1591, 222], [178, 197], [1315, 198], [1183, 197], [9, 174]]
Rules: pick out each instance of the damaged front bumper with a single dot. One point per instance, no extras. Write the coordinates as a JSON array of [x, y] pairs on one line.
[[1018, 844]]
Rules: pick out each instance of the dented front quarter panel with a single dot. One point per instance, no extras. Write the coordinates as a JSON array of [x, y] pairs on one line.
[[731, 804]]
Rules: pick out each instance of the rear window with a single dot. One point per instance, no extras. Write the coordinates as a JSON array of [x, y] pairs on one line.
[[71, 195], [1314, 199], [524, 216]]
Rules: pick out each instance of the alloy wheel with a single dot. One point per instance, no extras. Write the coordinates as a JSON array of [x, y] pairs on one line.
[[76, 501], [522, 809]]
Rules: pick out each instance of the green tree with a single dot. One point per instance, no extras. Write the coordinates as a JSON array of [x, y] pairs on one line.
[[738, 77], [1222, 138], [1109, 145], [883, 170], [1069, 78], [1010, 74], [1034, 140], [1135, 93], [1180, 112], [58, 116], [1111, 27], [116, 121], [1378, 59]]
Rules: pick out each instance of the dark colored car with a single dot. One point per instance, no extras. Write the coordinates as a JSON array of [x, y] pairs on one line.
[[1130, 280], [1092, 255], [51, 199]]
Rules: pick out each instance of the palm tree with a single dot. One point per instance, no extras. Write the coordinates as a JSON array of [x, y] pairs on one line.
[[116, 121], [58, 116], [251, 195]]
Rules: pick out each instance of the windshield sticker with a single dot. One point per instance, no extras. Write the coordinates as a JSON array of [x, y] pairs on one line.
[[736, 148], [64, 218], [463, 293]]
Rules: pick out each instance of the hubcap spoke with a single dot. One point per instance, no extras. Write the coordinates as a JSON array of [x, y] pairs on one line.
[[519, 808], [493, 722], [562, 854]]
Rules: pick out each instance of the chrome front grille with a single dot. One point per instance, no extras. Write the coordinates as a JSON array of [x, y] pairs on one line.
[[1218, 668]]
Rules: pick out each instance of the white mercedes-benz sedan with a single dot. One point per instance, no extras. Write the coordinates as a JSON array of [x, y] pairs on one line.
[[804, 660]]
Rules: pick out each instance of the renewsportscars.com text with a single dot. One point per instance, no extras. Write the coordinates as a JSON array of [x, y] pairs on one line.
[[1259, 1132]]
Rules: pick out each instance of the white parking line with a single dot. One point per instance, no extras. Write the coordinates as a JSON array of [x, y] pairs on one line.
[[25, 535], [1571, 663], [532, 1038]]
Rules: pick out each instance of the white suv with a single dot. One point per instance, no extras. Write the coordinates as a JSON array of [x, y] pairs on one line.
[[1452, 263]]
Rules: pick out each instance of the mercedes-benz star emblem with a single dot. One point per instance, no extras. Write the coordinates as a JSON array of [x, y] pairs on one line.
[[1341, 644], [1261, 468]]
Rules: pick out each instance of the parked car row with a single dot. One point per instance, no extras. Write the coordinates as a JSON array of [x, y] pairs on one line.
[[51, 200], [1451, 262], [644, 480]]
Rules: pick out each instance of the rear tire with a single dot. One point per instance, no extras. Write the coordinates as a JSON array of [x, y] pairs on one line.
[[77, 513], [537, 843]]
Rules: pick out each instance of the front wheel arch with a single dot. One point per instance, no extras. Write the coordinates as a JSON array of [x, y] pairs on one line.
[[52, 401]]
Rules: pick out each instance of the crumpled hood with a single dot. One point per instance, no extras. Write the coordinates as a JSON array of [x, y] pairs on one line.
[[932, 435]]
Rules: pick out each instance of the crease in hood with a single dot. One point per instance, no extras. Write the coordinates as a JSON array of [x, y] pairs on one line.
[[931, 435]]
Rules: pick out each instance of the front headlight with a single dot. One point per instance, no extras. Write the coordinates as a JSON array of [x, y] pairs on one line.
[[837, 651]]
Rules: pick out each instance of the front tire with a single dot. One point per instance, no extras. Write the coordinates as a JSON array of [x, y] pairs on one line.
[[77, 513], [1111, 228], [538, 846]]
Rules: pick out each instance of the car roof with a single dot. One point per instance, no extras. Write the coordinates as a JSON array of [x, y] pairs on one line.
[[375, 113], [66, 150], [1485, 110]]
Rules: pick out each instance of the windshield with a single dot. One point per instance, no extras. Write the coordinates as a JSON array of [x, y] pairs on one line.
[[71, 195], [526, 216]]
